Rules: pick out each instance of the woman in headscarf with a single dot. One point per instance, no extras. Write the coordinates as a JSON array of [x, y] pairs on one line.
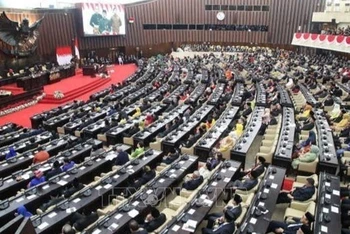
[[12, 153], [21, 210], [290, 83], [306, 112], [227, 143], [137, 113], [149, 119], [342, 124], [335, 113], [307, 157], [238, 129]]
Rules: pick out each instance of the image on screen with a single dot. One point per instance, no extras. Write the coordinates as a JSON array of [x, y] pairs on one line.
[[103, 19]]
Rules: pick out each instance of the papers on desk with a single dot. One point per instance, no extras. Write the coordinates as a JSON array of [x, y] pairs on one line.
[[135, 203], [336, 192], [26, 176], [175, 228], [20, 158], [133, 213], [191, 211], [98, 187], [253, 220], [214, 183], [66, 176], [173, 176], [76, 200], [328, 196], [190, 225], [207, 202], [227, 179], [144, 158], [334, 209], [274, 185], [325, 210], [118, 216], [9, 180], [46, 187], [261, 204], [5, 164], [161, 180], [223, 170], [324, 229], [51, 215], [130, 166], [327, 184], [266, 190], [20, 199], [71, 210], [107, 186], [113, 227], [43, 225], [96, 231], [116, 176], [191, 159], [181, 162], [149, 191], [31, 197], [82, 168], [172, 170], [271, 177], [62, 182], [232, 169], [110, 157]]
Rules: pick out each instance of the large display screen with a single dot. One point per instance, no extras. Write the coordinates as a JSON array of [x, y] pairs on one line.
[[103, 19]]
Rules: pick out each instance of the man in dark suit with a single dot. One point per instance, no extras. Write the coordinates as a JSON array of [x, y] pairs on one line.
[[147, 175], [298, 194], [193, 183], [56, 169], [245, 185], [303, 226], [235, 207], [247, 110], [259, 168], [122, 157], [54, 199], [154, 220], [227, 227]]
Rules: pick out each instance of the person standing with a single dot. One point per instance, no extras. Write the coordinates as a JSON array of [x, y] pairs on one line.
[[116, 22], [95, 21]]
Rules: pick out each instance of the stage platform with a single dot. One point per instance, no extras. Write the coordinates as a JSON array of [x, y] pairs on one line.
[[73, 87]]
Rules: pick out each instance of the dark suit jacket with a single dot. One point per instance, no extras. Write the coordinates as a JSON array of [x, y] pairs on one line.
[[237, 211], [247, 184], [247, 112], [53, 172], [226, 228], [122, 158], [303, 193], [193, 184], [84, 222], [259, 170], [154, 224]]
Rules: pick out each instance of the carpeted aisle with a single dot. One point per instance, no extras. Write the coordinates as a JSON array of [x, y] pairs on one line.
[[23, 117]]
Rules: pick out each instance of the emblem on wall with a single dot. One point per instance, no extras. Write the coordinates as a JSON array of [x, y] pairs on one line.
[[21, 38]]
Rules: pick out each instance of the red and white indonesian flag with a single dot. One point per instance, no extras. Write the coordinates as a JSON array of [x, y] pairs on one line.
[[64, 55], [76, 48]]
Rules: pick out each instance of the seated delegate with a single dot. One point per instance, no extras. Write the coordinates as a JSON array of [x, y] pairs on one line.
[[303, 193]]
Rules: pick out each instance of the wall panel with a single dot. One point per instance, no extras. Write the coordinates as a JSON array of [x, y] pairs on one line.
[[283, 19]]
